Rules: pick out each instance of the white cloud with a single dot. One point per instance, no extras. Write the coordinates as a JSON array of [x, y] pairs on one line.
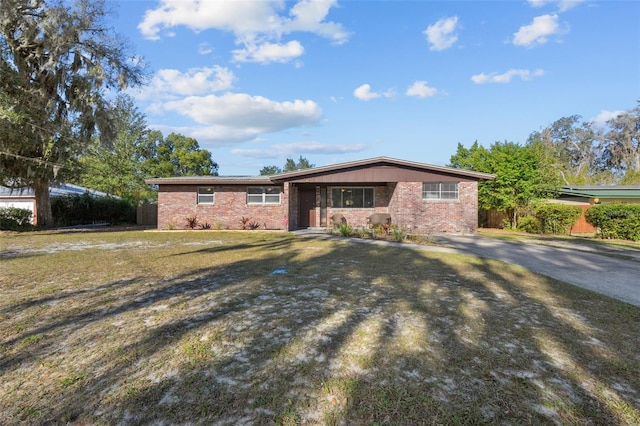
[[506, 77], [170, 83], [441, 35], [204, 49], [364, 93], [211, 135], [239, 17], [308, 16], [601, 119], [539, 31], [563, 5], [421, 90], [286, 150], [269, 52], [318, 148], [254, 23], [237, 110]]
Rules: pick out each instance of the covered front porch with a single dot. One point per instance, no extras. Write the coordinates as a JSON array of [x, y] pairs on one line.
[[319, 206]]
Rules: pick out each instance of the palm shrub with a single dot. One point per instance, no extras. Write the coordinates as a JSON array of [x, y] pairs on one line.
[[345, 230], [398, 234]]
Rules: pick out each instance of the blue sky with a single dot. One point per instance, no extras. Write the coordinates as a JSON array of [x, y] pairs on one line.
[[256, 82]]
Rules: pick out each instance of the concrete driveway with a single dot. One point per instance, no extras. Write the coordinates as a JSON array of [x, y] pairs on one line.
[[578, 264]]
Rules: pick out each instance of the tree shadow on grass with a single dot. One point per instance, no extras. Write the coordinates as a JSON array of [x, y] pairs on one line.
[[355, 334]]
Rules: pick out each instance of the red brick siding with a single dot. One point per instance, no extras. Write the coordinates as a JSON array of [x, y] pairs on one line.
[[402, 200], [412, 213], [177, 202]]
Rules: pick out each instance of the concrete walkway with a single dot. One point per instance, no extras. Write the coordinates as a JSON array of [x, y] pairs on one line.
[[578, 264]]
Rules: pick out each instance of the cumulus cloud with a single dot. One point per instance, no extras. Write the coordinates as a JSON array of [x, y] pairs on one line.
[[238, 110], [563, 5], [421, 90], [506, 77], [285, 150], [171, 83], [309, 16], [254, 23], [268, 52], [441, 35], [601, 119], [211, 135], [539, 31], [234, 118], [364, 93]]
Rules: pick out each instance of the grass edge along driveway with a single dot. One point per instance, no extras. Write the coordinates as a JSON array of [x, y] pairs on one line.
[[194, 327]]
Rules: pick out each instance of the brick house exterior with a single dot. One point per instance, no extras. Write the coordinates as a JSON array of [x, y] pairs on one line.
[[420, 198]]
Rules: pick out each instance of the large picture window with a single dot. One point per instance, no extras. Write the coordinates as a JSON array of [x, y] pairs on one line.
[[205, 195], [352, 197], [263, 195], [440, 190]]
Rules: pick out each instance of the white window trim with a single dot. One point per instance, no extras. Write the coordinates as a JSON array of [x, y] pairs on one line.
[[440, 191], [263, 195], [212, 195]]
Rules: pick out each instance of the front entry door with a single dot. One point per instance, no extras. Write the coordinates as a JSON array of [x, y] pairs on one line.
[[307, 208]]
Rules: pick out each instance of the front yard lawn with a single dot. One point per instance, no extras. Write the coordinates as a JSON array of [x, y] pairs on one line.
[[229, 328]]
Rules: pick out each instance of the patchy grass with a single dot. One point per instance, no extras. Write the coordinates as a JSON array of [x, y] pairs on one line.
[[193, 327]]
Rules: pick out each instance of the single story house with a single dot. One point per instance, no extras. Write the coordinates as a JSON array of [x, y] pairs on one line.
[[587, 196], [25, 198], [418, 197]]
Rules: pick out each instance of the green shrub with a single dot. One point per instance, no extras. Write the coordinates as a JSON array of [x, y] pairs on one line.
[[530, 224], [84, 209], [557, 218], [620, 221], [345, 230], [398, 234], [15, 219]]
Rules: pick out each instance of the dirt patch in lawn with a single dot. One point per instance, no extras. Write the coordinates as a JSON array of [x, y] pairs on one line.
[[250, 328]]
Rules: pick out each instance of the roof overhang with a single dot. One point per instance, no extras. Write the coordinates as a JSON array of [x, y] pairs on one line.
[[308, 174], [315, 174], [211, 180], [602, 191]]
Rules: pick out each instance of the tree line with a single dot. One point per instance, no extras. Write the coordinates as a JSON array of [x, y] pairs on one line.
[[568, 152], [60, 64]]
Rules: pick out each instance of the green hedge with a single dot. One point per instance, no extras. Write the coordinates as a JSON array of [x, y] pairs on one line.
[[556, 218], [15, 219], [84, 209], [621, 221]]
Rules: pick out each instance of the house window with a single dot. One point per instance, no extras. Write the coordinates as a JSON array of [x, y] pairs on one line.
[[352, 197], [263, 195], [440, 190], [205, 195]]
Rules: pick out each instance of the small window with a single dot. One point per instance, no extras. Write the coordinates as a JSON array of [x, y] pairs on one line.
[[205, 195], [352, 197], [263, 195], [440, 190]]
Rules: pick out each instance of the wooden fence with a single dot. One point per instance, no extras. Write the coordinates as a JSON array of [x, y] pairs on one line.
[[147, 214]]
